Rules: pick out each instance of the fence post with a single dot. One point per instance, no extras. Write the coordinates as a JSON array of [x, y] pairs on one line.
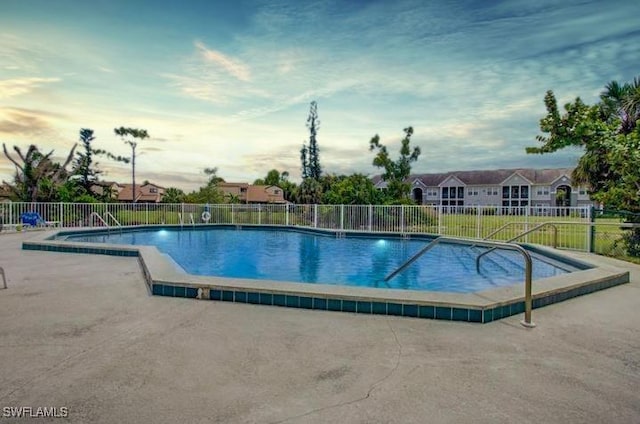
[[439, 220], [342, 217], [526, 227], [478, 222], [286, 214], [592, 230], [232, 217], [402, 218], [10, 212], [259, 214], [370, 217], [315, 216]]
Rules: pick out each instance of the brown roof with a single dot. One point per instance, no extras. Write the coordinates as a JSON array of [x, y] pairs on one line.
[[232, 184], [259, 194], [142, 193], [126, 193], [253, 193]]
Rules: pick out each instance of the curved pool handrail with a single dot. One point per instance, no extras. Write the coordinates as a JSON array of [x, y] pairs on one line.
[[97, 215], [524, 233], [511, 240], [486, 243], [113, 218]]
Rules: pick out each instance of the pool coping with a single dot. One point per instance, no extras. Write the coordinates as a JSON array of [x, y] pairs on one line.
[[164, 277]]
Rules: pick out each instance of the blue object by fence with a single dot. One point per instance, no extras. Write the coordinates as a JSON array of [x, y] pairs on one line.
[[31, 218]]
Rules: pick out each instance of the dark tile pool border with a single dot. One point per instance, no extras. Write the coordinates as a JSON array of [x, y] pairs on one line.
[[413, 310], [165, 278]]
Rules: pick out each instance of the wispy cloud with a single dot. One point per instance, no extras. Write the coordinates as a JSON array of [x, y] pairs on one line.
[[233, 66], [25, 122], [468, 76], [18, 86]]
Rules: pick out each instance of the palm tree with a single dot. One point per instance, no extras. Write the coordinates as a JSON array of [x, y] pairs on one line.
[[622, 102], [36, 172], [232, 198], [173, 195], [631, 102]]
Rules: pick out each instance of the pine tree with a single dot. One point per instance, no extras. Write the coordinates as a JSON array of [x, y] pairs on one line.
[[313, 123], [83, 165]]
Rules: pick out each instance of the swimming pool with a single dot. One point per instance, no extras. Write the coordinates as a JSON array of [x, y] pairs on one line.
[[309, 262], [305, 257]]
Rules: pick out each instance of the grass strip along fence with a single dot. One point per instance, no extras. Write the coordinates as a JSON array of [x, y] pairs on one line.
[[579, 228]]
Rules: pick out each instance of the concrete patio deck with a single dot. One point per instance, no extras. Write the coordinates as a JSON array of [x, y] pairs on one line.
[[82, 332]]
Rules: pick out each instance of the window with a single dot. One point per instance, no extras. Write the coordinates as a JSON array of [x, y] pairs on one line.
[[243, 189], [582, 191], [276, 192], [153, 190], [453, 193], [515, 196]]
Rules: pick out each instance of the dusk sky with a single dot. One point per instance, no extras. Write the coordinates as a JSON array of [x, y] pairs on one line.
[[228, 84]]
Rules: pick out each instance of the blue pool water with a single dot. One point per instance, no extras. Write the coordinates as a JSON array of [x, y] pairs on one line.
[[315, 258]]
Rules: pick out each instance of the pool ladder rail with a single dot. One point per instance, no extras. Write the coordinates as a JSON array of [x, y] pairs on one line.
[[511, 240], [528, 302], [181, 221], [107, 215]]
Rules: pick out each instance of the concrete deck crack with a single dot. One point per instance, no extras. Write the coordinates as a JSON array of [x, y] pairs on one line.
[[360, 399], [68, 359]]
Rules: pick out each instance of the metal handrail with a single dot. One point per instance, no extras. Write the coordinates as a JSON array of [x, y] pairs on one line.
[[528, 302], [509, 224], [502, 227], [96, 214], [536, 228], [113, 218], [411, 259]]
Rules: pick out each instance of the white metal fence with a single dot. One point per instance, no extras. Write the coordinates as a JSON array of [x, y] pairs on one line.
[[458, 221]]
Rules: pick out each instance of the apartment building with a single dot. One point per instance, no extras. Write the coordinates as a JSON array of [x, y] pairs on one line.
[[501, 187]]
